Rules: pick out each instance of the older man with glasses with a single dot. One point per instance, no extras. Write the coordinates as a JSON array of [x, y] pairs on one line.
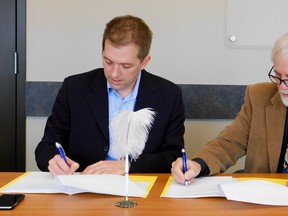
[[259, 131]]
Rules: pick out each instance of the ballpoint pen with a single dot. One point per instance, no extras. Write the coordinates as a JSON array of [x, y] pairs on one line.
[[184, 164], [61, 152]]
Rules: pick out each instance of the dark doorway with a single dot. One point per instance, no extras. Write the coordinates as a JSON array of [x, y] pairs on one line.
[[12, 84]]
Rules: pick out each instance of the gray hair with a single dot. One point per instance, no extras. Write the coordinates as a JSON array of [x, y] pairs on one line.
[[280, 48]]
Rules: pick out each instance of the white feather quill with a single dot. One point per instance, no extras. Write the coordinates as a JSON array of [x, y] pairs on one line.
[[130, 131]]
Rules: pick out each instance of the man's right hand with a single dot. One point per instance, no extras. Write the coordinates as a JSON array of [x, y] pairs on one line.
[[193, 170], [57, 166]]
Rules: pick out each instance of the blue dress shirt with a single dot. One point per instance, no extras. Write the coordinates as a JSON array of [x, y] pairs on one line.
[[117, 103]]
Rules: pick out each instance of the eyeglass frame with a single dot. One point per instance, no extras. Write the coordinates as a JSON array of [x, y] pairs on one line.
[[273, 78]]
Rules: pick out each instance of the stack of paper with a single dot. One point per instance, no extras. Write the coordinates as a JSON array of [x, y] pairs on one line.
[[258, 191], [44, 182], [264, 191]]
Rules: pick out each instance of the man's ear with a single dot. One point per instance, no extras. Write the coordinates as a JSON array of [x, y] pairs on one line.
[[145, 61]]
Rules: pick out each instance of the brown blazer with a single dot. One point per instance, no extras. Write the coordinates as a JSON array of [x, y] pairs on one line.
[[256, 132]]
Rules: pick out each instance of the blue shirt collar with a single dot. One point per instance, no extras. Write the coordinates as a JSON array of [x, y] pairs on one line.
[[134, 93]]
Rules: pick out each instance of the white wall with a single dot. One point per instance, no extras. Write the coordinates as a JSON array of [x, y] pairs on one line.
[[189, 47]]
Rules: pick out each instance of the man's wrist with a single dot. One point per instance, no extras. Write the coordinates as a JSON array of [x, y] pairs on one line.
[[204, 168]]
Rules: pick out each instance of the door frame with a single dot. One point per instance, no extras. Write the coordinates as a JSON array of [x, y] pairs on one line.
[[20, 119]]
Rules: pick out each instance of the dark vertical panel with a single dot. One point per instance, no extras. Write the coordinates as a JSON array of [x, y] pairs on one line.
[[7, 85], [20, 85]]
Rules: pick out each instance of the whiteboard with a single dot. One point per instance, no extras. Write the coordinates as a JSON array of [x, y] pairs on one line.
[[255, 23]]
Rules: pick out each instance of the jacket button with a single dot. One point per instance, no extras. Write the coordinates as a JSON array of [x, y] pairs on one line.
[[106, 148]]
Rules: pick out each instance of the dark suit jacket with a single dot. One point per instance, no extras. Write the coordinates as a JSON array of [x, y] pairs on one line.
[[79, 121]]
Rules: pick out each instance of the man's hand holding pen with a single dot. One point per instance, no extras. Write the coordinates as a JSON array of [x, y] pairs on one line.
[[61, 164], [58, 166], [177, 170]]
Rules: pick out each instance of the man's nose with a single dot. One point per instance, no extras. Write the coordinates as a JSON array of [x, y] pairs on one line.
[[115, 71], [283, 86]]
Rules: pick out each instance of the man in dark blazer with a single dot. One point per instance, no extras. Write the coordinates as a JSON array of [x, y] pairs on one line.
[[82, 109]]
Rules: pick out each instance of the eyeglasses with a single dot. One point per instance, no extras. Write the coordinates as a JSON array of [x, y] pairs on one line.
[[275, 79]]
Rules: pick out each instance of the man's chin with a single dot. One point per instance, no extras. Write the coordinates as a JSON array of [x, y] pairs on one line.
[[284, 100]]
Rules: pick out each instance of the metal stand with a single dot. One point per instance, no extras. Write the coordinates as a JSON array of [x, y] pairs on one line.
[[126, 203]]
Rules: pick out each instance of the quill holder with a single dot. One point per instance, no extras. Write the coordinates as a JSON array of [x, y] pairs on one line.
[[126, 203], [131, 129]]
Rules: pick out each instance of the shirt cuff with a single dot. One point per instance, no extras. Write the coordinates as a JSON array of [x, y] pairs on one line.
[[204, 168]]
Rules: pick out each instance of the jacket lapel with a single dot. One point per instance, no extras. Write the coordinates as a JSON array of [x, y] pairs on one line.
[[98, 102], [145, 97], [275, 121], [98, 98]]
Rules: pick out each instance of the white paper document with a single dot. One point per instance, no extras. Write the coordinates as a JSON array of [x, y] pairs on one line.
[[103, 184], [256, 191], [265, 191], [44, 182], [201, 187]]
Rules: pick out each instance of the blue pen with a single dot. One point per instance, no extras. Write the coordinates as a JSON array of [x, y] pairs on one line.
[[61, 152], [184, 163]]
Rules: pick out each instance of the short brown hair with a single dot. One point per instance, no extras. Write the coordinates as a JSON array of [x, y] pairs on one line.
[[123, 30]]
